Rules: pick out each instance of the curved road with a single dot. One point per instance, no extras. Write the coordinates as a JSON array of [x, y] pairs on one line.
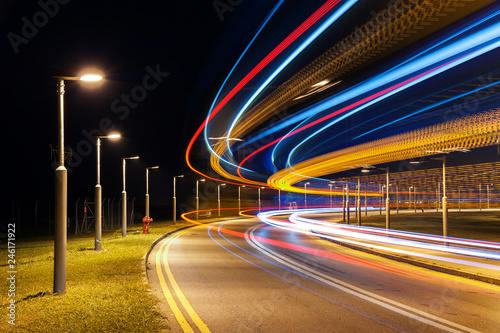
[[241, 275]]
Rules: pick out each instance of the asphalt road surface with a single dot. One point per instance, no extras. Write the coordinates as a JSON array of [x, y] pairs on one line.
[[241, 275]]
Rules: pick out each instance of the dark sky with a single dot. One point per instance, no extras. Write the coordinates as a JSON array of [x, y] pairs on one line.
[[179, 50]]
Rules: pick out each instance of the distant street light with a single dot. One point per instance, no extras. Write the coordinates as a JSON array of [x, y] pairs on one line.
[[358, 203], [387, 200], [218, 197], [124, 196], [61, 194], [198, 199], [147, 187], [347, 208], [305, 194], [239, 198], [259, 196], [445, 198], [279, 198], [175, 199], [409, 198], [330, 184], [98, 191]]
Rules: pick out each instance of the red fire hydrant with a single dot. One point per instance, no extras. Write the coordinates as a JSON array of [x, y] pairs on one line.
[[146, 220]]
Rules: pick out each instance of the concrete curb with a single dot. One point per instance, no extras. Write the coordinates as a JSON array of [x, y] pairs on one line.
[[451, 271], [146, 258]]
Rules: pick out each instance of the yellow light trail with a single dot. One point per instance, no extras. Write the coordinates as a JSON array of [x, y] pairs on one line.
[[475, 131]]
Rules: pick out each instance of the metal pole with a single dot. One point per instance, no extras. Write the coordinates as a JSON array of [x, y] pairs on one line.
[[124, 203], [331, 205], [366, 207], [147, 192], [480, 201], [459, 208], [445, 201], [387, 205], [347, 203], [98, 199], [305, 196], [397, 199], [439, 192], [218, 200], [343, 203], [61, 205], [415, 197], [197, 202], [409, 198], [380, 199], [359, 202], [175, 205], [437, 201], [239, 199], [259, 199], [279, 199], [488, 195]]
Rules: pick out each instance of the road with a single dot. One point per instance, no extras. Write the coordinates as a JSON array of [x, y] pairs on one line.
[[242, 275]]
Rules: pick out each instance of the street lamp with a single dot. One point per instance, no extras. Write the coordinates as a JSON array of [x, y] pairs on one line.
[[175, 199], [445, 198], [98, 191], [259, 196], [305, 194], [239, 198], [279, 198], [409, 198], [347, 208], [358, 212], [218, 197], [387, 200], [61, 191], [198, 199], [147, 187], [330, 186], [124, 196]]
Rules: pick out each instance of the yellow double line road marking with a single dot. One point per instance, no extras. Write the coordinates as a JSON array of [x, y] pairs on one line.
[[163, 259]]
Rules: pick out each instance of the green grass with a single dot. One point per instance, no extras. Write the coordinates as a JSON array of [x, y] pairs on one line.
[[106, 291]]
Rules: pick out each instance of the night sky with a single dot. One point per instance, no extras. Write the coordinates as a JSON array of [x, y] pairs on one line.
[[179, 50]]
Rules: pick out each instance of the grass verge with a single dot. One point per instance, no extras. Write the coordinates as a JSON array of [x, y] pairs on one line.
[[106, 291]]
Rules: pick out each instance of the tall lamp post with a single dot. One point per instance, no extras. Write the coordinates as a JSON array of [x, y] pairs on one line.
[[387, 199], [147, 187], [198, 199], [98, 191], [409, 198], [358, 203], [279, 199], [259, 196], [218, 198], [445, 198], [61, 190], [124, 196], [239, 198], [305, 194], [175, 200], [330, 185]]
